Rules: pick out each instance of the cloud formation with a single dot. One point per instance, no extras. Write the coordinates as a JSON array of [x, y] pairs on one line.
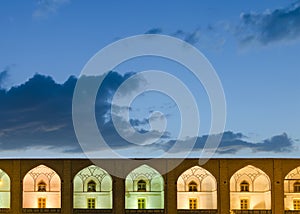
[[45, 8], [154, 31], [232, 143], [207, 38], [3, 76], [192, 37], [38, 114], [270, 26]]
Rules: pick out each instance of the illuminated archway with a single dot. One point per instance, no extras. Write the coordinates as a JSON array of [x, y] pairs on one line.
[[250, 189], [196, 189], [4, 190], [92, 189], [41, 188], [144, 189], [292, 190]]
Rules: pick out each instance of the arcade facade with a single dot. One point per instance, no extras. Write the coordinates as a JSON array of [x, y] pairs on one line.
[[220, 186]]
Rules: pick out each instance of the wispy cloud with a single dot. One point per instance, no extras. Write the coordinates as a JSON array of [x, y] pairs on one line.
[[3, 76], [154, 31], [270, 26], [190, 37], [206, 38], [44, 8]]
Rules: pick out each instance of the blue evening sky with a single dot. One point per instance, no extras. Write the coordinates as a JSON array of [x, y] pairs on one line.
[[254, 47]]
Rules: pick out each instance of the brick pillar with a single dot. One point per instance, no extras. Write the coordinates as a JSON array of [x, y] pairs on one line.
[[170, 193], [67, 188], [223, 188], [16, 188], [277, 191], [118, 195]]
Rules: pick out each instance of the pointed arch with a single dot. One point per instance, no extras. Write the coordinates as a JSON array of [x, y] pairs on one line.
[[41, 188], [92, 188], [250, 188], [4, 190], [198, 186], [292, 190], [258, 180], [140, 186]]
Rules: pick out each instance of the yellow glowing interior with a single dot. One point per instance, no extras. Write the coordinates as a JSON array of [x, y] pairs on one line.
[[196, 189], [33, 197], [250, 188], [291, 190]]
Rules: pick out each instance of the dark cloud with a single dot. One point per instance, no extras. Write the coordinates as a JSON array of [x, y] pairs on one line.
[[136, 122], [38, 113], [278, 143], [232, 143], [270, 26], [154, 31]]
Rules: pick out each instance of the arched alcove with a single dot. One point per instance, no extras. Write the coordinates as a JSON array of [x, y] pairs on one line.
[[196, 189], [92, 189], [292, 190], [144, 189], [41, 188], [250, 189], [4, 190]]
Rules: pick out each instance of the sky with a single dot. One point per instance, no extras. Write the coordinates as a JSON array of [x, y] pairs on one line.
[[253, 46]]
